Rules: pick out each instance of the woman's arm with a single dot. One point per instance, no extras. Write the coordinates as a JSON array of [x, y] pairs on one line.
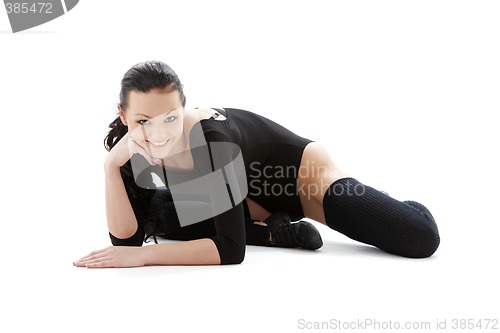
[[122, 223], [195, 252], [227, 247], [120, 216]]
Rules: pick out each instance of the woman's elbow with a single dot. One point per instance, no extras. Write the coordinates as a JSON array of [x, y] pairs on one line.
[[234, 257], [136, 239], [240, 257]]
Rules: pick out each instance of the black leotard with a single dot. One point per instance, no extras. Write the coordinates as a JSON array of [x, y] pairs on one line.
[[271, 155]]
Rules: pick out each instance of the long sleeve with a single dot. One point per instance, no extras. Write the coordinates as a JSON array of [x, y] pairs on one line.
[[229, 224], [230, 238]]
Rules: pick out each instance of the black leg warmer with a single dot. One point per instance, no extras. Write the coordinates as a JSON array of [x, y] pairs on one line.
[[364, 214]]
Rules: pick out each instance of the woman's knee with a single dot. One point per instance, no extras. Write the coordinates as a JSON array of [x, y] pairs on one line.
[[426, 238]]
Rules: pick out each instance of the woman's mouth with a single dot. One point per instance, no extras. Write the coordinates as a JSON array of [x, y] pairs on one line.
[[158, 144]]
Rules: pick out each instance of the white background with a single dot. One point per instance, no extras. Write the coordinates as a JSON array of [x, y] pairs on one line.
[[401, 93]]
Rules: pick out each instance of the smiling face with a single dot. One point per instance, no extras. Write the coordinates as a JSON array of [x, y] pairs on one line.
[[155, 121]]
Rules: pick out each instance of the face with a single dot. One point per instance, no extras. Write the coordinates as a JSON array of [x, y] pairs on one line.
[[155, 121]]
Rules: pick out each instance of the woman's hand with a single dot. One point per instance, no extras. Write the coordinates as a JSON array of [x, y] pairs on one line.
[[123, 151], [113, 256]]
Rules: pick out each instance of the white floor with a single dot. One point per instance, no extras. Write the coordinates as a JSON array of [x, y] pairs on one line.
[[274, 290]]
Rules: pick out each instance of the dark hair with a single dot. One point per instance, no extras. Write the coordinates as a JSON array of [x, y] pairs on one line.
[[142, 77]]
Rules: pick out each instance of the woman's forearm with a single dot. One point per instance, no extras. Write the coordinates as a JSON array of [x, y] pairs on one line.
[[119, 213], [195, 252]]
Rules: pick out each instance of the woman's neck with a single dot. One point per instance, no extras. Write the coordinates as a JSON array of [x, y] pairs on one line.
[[183, 158]]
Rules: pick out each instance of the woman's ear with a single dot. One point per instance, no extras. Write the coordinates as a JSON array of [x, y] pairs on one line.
[[122, 115]]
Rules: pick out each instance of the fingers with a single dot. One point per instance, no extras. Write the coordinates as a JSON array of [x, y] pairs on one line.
[[99, 264], [78, 264], [149, 158], [113, 256], [95, 257], [136, 148], [145, 136], [95, 263], [96, 253]]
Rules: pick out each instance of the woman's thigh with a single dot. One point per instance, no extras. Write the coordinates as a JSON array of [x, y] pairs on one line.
[[317, 172], [257, 212]]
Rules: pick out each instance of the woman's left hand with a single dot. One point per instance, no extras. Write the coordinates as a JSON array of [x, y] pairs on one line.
[[113, 256]]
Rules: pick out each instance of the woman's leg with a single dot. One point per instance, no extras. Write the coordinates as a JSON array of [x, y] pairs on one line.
[[372, 217], [362, 213], [255, 211]]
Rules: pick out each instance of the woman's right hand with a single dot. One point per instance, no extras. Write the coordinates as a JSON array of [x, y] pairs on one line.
[[123, 151]]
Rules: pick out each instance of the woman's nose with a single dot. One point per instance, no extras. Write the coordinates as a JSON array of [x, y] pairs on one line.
[[157, 133]]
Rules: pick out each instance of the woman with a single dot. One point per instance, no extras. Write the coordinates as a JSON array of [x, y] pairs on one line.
[[283, 173]]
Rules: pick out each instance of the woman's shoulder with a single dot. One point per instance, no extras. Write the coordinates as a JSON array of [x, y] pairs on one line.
[[202, 113]]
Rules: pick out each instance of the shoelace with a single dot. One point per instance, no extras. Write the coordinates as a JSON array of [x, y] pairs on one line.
[[146, 239], [286, 236]]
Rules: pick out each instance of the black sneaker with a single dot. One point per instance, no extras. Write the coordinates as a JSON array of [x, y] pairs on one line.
[[286, 234]]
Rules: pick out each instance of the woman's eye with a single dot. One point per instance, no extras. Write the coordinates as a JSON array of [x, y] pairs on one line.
[[146, 122]]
